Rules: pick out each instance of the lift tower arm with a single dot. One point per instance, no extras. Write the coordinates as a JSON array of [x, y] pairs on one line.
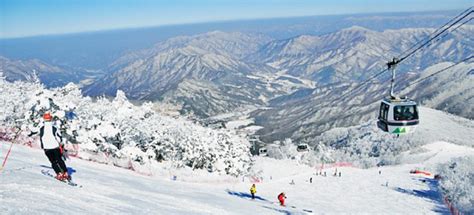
[[391, 66]]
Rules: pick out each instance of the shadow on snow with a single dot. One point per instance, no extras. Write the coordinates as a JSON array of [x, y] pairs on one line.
[[248, 196], [70, 170], [245, 195], [278, 210], [433, 194]]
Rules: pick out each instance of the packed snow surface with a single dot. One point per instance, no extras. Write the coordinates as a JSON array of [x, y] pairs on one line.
[[111, 190]]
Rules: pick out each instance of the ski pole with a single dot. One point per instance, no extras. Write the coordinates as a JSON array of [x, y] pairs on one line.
[[6, 157], [10, 149]]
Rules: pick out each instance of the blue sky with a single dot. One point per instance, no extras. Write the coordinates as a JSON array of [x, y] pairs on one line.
[[20, 18]]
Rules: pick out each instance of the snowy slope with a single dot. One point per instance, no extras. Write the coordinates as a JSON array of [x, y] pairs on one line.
[[108, 189], [364, 190], [111, 190]]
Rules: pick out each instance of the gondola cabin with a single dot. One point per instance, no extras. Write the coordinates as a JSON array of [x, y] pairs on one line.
[[302, 148], [398, 116]]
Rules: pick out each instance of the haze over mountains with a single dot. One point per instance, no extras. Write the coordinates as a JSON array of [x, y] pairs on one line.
[[97, 50], [34, 69], [292, 70]]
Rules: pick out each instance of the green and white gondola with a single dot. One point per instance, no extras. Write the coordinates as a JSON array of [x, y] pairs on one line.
[[398, 116]]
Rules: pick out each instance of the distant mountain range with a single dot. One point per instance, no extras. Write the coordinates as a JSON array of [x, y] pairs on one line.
[[295, 83], [217, 72], [306, 114], [97, 50], [360, 54], [204, 73], [48, 74], [355, 53], [34, 69]]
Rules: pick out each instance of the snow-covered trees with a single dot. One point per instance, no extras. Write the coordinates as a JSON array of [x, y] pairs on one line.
[[457, 183], [366, 146], [121, 133]]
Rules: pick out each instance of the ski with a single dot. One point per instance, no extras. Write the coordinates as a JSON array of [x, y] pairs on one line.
[[70, 183]]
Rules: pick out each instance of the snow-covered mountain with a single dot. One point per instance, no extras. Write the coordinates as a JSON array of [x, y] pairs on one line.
[[232, 44], [355, 53], [204, 73], [96, 50], [31, 70], [308, 113], [358, 53], [288, 90], [50, 75], [451, 91], [218, 72], [298, 80], [150, 77], [191, 169]]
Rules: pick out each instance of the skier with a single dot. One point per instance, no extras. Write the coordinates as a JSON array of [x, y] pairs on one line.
[[51, 139], [281, 199], [253, 190], [311, 180]]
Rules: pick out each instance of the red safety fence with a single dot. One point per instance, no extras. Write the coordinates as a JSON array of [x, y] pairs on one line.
[[7, 134], [421, 172], [255, 179], [451, 207], [333, 165]]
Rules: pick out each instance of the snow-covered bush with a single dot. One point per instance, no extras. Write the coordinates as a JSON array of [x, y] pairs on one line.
[[282, 150], [364, 146], [121, 133], [13, 97], [457, 183], [288, 150]]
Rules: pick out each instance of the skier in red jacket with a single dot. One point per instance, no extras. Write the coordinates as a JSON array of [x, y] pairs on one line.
[[282, 198]]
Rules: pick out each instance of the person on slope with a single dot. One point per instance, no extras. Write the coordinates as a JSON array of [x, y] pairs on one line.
[[50, 140], [253, 190], [281, 199]]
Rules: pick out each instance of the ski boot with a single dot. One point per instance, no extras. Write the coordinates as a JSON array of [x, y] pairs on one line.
[[63, 176]]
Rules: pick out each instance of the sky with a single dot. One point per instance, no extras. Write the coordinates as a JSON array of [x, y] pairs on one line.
[[20, 18]]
